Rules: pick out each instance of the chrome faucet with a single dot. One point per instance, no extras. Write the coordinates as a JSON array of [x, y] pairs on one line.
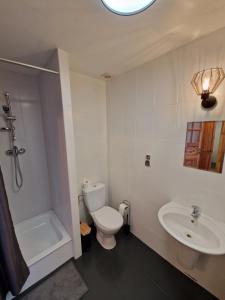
[[196, 211]]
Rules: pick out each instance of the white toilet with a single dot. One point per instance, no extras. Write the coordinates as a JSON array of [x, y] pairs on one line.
[[108, 221]]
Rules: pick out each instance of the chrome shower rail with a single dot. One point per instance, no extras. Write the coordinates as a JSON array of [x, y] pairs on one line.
[[14, 151], [14, 62]]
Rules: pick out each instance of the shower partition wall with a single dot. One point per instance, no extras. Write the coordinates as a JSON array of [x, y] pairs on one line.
[[45, 210]]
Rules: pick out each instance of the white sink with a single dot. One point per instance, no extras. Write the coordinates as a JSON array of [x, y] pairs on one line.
[[203, 234]]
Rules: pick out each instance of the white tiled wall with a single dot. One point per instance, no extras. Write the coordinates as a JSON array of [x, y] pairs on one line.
[[148, 109], [89, 113], [34, 197]]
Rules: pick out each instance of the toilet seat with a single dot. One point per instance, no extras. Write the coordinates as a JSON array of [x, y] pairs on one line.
[[107, 218]]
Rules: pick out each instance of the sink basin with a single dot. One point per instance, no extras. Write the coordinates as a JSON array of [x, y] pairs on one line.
[[204, 234]]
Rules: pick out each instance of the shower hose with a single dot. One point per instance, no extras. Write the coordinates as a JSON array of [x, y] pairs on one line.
[[17, 168]]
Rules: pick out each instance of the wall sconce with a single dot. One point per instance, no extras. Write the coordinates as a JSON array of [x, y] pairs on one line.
[[205, 84]]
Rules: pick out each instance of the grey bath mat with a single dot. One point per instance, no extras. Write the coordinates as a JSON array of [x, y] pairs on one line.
[[64, 284]]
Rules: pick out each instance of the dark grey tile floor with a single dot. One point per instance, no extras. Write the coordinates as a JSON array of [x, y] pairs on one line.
[[133, 271]]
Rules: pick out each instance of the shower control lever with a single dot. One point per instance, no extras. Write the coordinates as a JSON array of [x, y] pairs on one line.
[[5, 129], [21, 151]]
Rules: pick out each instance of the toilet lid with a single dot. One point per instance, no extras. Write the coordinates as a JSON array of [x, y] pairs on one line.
[[108, 217]]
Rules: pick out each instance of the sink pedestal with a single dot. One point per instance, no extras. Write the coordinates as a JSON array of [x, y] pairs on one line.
[[187, 257]]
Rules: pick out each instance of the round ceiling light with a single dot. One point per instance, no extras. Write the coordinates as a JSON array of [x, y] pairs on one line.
[[127, 7]]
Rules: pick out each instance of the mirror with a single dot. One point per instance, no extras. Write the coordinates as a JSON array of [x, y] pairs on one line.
[[205, 145]]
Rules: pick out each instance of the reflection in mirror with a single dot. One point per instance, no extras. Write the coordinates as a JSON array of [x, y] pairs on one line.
[[205, 145]]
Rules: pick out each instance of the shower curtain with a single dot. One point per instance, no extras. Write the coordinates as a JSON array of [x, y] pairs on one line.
[[13, 269]]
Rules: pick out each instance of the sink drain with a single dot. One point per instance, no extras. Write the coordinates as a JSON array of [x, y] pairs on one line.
[[188, 235]]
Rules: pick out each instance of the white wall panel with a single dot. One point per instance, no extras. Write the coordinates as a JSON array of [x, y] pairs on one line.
[[89, 119]]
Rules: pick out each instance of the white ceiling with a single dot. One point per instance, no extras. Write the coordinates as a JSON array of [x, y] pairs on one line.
[[97, 40]]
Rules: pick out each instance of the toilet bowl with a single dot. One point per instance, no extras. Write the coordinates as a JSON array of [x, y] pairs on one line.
[[108, 220]]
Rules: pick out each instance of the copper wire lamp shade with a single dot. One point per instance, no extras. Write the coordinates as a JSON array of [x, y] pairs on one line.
[[205, 84]]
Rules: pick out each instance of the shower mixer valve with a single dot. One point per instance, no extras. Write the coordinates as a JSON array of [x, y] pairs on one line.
[[15, 151]]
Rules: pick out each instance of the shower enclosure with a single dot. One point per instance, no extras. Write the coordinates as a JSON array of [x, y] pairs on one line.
[[37, 160]]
